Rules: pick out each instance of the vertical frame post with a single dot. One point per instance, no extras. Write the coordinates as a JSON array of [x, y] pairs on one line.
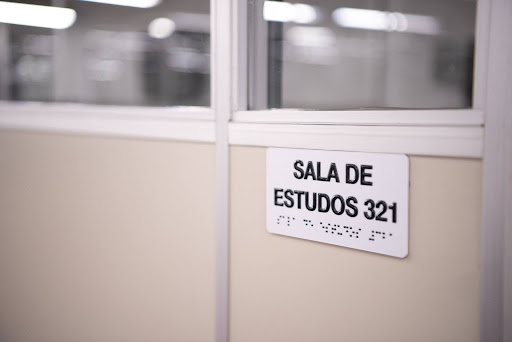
[[496, 275], [222, 42]]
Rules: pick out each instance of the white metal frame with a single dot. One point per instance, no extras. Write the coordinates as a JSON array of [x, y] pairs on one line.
[[455, 133], [448, 117], [222, 90], [426, 140], [481, 132], [496, 242], [187, 124]]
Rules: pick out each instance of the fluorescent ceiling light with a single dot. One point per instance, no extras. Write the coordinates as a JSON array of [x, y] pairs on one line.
[[129, 3], [421, 24], [385, 21], [361, 18], [286, 12], [35, 15], [161, 28], [191, 22], [310, 36], [277, 11], [304, 14]]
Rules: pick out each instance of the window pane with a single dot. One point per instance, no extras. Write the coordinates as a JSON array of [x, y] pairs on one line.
[[331, 55], [106, 52]]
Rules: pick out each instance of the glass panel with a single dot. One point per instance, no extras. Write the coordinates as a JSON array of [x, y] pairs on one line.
[[116, 52], [348, 54]]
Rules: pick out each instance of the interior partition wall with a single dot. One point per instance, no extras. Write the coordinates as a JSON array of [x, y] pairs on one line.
[[198, 220]]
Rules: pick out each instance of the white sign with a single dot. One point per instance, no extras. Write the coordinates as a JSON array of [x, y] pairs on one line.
[[356, 200]]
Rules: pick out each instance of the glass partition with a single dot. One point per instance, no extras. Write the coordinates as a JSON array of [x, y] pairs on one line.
[[347, 54], [113, 52]]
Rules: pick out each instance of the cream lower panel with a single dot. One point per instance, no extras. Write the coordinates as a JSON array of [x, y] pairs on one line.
[[105, 239], [287, 289]]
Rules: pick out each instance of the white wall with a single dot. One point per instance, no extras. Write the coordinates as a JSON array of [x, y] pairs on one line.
[[105, 239]]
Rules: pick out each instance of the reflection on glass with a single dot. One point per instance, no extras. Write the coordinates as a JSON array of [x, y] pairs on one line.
[[118, 52], [345, 54]]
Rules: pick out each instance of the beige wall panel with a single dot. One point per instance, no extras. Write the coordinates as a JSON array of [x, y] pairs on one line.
[[288, 289], [105, 239]]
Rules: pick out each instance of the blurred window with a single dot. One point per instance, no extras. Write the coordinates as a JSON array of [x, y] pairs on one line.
[[346, 54], [115, 52]]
